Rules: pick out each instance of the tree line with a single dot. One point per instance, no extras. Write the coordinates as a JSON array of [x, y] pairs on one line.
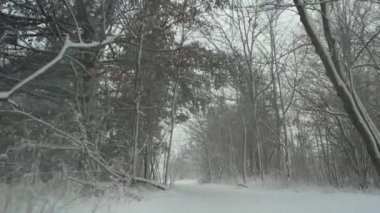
[[94, 89]]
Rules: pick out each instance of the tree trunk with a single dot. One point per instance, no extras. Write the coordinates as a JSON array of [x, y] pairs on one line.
[[244, 163], [171, 129], [138, 87]]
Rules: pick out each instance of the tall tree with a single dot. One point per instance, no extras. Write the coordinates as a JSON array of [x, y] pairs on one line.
[[341, 77]]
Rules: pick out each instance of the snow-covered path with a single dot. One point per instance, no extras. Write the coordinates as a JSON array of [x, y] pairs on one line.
[[190, 197]]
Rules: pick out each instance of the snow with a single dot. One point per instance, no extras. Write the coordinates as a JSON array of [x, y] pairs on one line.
[[190, 197]]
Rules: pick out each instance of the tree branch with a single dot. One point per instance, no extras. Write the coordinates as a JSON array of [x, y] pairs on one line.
[[68, 44]]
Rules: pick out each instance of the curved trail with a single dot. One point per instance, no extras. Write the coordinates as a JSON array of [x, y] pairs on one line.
[[190, 197]]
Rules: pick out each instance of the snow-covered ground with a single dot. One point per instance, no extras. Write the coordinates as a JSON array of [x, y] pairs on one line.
[[191, 197]]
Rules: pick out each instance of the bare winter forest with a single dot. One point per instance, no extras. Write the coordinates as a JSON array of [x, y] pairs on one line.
[[104, 101]]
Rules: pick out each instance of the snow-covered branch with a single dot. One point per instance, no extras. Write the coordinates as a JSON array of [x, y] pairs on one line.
[[68, 44], [3, 37]]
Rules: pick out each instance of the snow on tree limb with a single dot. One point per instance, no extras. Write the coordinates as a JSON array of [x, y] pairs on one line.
[[68, 44]]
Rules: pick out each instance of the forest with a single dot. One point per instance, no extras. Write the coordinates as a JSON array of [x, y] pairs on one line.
[[94, 91]]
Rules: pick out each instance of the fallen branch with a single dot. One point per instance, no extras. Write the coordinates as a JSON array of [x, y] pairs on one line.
[[77, 181], [242, 185], [92, 155], [149, 182]]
